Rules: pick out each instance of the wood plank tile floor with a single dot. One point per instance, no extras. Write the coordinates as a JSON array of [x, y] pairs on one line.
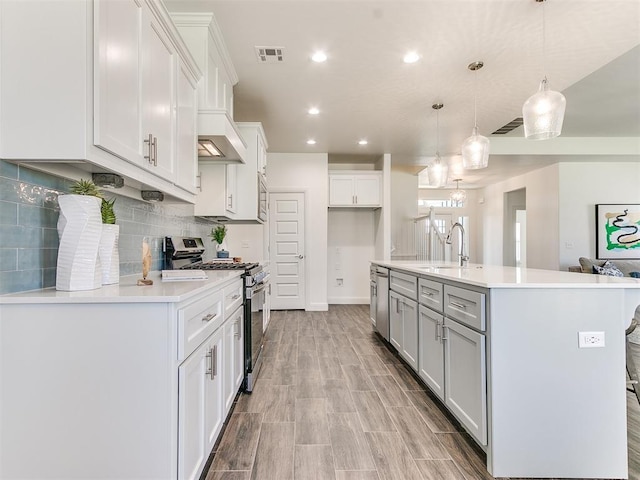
[[333, 403]]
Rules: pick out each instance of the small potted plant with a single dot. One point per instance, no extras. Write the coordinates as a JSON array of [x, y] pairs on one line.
[[79, 229], [217, 235], [109, 256]]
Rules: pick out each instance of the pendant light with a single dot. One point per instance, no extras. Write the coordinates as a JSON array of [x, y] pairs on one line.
[[475, 149], [437, 171], [543, 112], [458, 196]]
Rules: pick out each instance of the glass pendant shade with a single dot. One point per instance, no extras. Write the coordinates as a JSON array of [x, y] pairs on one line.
[[543, 113], [475, 151], [438, 172], [458, 196]]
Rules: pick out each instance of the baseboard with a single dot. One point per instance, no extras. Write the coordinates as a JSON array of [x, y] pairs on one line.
[[317, 307], [349, 300]]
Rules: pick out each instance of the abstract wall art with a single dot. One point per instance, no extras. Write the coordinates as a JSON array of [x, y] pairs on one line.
[[618, 231]]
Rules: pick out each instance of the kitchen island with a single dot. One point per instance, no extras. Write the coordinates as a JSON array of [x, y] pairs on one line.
[[531, 362]]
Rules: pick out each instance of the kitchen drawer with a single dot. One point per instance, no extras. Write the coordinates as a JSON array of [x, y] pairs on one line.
[[197, 321], [404, 284], [232, 297], [430, 293], [465, 306]]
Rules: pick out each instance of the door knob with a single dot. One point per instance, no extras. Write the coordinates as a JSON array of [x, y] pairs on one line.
[[300, 257]]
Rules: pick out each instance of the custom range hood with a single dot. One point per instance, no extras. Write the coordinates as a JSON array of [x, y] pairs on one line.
[[218, 138]]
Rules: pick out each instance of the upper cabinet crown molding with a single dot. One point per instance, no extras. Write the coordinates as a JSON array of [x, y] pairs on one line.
[[208, 20]]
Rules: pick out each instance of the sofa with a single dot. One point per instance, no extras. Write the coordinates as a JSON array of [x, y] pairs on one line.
[[629, 268]]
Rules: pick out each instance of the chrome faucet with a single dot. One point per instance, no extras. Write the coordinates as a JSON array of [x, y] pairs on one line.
[[463, 258]]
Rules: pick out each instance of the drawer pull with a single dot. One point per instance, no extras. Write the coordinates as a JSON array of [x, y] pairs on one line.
[[459, 305], [428, 294], [209, 317], [236, 332], [235, 297]]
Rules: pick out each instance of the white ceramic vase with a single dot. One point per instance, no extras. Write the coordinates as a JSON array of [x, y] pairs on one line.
[[79, 229], [109, 256]]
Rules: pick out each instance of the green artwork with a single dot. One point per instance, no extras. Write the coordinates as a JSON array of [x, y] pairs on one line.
[[622, 230]]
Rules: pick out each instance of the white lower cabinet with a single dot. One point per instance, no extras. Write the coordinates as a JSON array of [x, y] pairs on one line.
[[200, 406], [404, 327], [449, 356], [148, 380], [431, 350], [233, 357], [465, 382]]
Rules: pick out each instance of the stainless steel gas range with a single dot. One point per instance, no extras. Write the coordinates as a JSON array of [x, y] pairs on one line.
[[185, 253]]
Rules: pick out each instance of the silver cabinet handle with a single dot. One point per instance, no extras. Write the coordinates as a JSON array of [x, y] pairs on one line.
[[209, 371], [444, 330], [150, 142], [427, 293], [438, 334], [209, 317], [235, 297], [214, 362], [155, 151], [230, 200], [456, 304], [356, 199], [236, 332]]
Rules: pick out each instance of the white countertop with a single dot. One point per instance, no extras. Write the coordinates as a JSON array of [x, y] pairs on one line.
[[127, 291], [495, 276]]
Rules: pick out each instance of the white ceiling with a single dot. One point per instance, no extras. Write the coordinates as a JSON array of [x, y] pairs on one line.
[[364, 90]]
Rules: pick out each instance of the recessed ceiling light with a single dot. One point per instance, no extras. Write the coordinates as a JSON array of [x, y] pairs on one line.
[[313, 111], [411, 57], [319, 57], [311, 141], [362, 142]]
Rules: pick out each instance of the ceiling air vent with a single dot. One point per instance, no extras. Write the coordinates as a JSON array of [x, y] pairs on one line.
[[512, 125], [270, 54]]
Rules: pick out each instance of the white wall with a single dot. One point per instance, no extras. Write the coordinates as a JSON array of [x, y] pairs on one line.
[[582, 186], [404, 208], [307, 172], [245, 241], [351, 248], [542, 188]]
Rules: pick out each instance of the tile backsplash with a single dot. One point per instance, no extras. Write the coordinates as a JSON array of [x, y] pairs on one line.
[[29, 238]]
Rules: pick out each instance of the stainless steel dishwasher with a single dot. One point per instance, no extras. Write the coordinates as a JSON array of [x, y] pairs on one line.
[[379, 309]]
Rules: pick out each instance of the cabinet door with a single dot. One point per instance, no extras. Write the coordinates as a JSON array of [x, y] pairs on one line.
[[373, 308], [228, 364], [158, 82], [213, 413], [395, 320], [238, 350], [431, 352], [341, 190], [231, 187], [186, 132], [367, 190], [410, 332], [192, 378], [118, 77], [465, 377]]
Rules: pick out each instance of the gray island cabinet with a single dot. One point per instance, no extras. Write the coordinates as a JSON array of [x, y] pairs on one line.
[[500, 347]]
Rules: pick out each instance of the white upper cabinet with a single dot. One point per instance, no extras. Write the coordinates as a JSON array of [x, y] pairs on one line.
[[118, 78], [103, 90], [186, 131], [135, 102], [202, 35], [355, 189]]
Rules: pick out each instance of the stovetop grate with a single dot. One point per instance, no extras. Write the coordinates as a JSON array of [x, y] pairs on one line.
[[219, 266]]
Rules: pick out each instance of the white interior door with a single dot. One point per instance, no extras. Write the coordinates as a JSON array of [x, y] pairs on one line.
[[287, 254]]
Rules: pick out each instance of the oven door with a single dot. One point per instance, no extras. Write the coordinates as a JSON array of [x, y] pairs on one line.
[[254, 307]]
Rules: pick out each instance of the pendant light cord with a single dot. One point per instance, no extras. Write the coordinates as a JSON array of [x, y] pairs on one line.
[[475, 99], [544, 43]]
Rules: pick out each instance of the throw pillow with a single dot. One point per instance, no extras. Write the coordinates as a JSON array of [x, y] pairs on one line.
[[635, 274], [608, 269]]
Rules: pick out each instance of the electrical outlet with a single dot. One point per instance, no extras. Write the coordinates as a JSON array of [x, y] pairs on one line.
[[590, 339], [245, 244], [339, 282]]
